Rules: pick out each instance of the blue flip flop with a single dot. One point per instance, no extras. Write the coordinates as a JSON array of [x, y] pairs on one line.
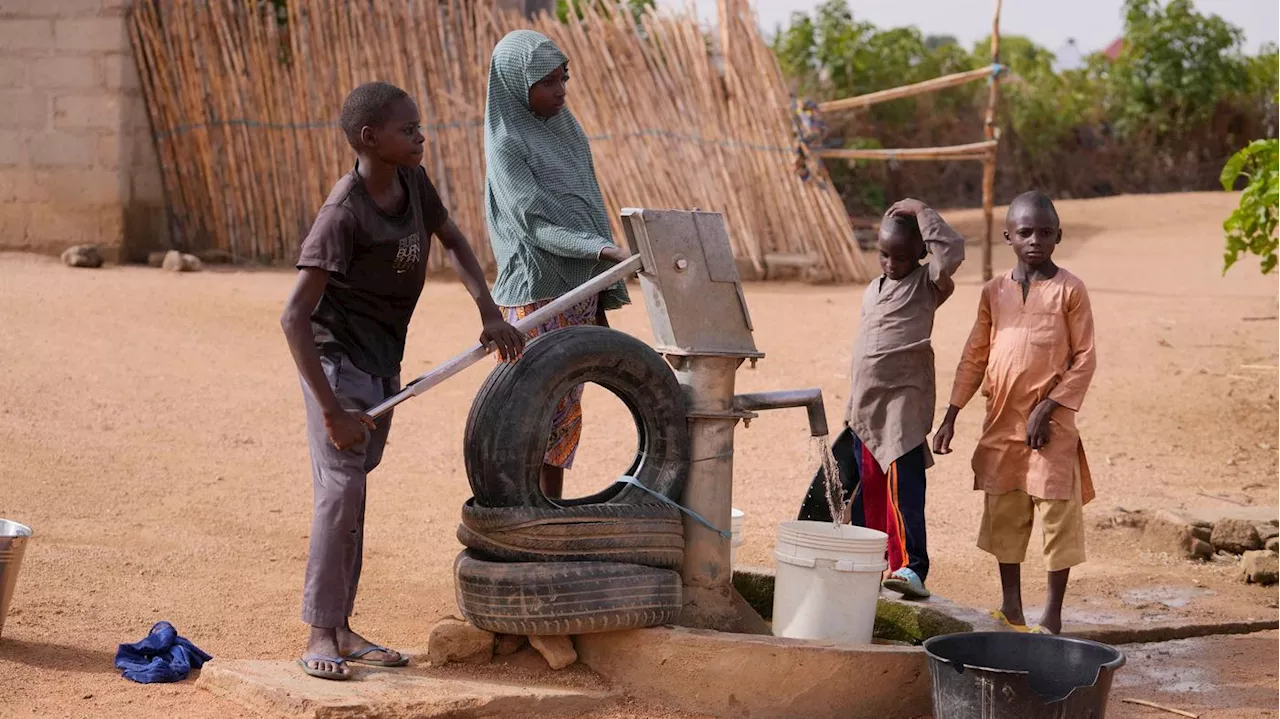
[[321, 673], [907, 583], [358, 657]]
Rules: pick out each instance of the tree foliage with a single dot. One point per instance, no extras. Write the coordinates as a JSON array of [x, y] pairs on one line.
[[1164, 115], [1251, 229], [1176, 66]]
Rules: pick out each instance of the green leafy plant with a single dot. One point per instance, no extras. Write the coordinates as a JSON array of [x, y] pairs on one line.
[[1160, 116], [1176, 66], [1251, 229]]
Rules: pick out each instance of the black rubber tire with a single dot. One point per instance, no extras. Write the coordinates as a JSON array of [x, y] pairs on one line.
[[561, 598], [506, 433], [649, 534]]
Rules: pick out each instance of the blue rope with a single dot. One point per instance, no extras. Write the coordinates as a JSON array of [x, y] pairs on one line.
[[667, 500], [996, 70]]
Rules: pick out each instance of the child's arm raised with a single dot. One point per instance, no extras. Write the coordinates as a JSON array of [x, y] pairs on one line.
[[969, 373], [496, 330], [947, 247], [944, 243]]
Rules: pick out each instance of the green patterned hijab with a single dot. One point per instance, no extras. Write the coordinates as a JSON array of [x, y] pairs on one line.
[[546, 215]]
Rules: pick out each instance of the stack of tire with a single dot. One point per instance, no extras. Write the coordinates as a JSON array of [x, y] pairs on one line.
[[601, 563]]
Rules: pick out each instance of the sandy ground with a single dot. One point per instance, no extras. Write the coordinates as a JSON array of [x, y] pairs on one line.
[[154, 435]]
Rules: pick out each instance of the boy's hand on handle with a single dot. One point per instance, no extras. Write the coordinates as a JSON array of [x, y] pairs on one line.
[[907, 208], [508, 339], [1038, 423], [614, 254], [347, 428]]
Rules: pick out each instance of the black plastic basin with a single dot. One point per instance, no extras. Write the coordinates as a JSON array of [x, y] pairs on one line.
[[1006, 675]]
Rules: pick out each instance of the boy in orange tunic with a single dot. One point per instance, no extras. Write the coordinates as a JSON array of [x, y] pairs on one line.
[[1031, 353]]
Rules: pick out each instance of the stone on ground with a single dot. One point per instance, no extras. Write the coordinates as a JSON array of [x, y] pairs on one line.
[[557, 650], [1201, 549], [1235, 536], [82, 256], [455, 641], [1260, 567], [1273, 544], [1267, 531], [175, 261], [1168, 533], [508, 644]]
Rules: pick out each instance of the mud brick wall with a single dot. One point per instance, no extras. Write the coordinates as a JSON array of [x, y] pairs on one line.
[[77, 164]]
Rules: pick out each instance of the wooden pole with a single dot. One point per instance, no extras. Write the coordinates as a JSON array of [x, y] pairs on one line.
[[989, 132], [897, 93], [972, 151]]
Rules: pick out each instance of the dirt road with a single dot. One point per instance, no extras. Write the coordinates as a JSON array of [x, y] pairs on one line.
[[154, 435]]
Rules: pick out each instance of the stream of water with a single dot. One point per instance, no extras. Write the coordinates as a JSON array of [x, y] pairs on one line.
[[837, 502]]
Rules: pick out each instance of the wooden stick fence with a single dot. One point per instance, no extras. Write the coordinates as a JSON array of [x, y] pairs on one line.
[[984, 151], [244, 108], [897, 93]]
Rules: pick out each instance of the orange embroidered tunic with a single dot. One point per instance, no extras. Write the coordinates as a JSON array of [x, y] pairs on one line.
[[1019, 353]]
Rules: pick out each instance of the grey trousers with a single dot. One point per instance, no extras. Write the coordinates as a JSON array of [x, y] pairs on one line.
[[338, 486]]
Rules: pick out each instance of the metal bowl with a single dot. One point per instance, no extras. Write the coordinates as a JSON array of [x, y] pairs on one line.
[[13, 543]]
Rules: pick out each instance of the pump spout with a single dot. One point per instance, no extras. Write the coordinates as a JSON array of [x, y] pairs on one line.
[[810, 399]]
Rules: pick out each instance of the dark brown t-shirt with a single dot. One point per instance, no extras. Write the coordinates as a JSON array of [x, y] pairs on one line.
[[377, 264]]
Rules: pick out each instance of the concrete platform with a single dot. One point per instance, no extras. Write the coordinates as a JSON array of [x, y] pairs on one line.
[[280, 689], [741, 676]]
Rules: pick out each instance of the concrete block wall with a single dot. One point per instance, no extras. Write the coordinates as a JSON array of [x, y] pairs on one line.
[[77, 162]]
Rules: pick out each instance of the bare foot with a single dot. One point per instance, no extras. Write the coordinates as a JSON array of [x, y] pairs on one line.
[[324, 642], [1014, 615], [349, 643], [1051, 621]]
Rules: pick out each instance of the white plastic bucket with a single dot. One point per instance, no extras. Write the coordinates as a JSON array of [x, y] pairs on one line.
[[827, 582], [737, 537]]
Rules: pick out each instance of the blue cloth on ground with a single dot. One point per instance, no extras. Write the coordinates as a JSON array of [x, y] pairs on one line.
[[162, 656]]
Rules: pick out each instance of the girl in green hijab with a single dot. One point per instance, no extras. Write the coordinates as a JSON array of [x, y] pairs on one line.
[[547, 220]]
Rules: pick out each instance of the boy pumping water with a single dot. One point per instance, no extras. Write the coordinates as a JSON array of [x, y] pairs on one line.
[[360, 272]]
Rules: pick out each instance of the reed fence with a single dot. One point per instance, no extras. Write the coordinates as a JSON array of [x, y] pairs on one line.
[[243, 98]]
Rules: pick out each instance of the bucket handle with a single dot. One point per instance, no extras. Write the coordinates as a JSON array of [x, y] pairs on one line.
[[839, 565]]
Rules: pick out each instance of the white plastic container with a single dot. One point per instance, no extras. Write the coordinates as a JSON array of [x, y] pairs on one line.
[[737, 537], [827, 582]]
